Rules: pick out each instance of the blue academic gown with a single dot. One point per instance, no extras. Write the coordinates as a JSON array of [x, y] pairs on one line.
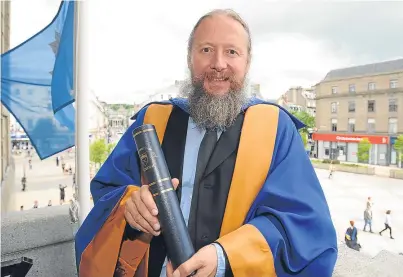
[[288, 229]]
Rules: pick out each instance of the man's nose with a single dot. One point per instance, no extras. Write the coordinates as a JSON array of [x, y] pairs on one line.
[[218, 62]]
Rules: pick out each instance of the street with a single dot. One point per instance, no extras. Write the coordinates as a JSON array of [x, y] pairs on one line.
[[42, 182], [346, 194]]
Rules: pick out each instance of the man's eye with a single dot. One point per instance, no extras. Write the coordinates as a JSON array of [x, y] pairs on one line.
[[206, 50], [232, 52]]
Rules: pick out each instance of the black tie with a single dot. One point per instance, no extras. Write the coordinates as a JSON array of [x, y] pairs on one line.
[[206, 149]]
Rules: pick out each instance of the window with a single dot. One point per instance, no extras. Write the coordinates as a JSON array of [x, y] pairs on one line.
[[334, 90], [371, 125], [392, 105], [371, 106], [334, 107], [169, 96], [351, 125], [351, 106], [393, 83], [351, 88], [392, 125], [334, 125], [162, 97], [371, 86]]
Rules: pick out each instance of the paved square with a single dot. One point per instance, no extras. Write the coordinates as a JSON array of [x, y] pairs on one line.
[[42, 182], [347, 193]]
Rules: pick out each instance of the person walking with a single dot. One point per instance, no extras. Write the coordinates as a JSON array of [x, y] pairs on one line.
[[62, 193], [368, 219], [331, 169], [388, 224]]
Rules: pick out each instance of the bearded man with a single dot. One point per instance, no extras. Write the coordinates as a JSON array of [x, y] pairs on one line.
[[248, 192]]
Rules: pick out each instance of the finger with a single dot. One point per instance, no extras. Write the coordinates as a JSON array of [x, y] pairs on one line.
[[170, 269], [145, 213], [130, 218], [188, 267], [175, 183], [145, 225], [148, 200], [133, 205], [140, 220]]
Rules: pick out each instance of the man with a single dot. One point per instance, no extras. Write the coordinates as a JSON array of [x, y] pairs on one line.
[[62, 189], [368, 215], [368, 219], [248, 192]]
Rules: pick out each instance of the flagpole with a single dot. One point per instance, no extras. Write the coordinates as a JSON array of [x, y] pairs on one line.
[[82, 100]]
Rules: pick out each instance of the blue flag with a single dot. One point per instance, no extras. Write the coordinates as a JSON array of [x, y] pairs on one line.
[[36, 84]]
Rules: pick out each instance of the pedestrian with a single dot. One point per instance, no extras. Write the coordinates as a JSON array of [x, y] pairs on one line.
[[62, 193], [57, 161], [73, 210], [21, 208], [351, 237], [331, 169], [388, 224], [369, 203], [50, 203], [368, 219], [23, 182], [74, 182], [30, 163], [35, 204]]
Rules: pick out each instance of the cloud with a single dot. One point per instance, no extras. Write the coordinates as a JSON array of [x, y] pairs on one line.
[[138, 47]]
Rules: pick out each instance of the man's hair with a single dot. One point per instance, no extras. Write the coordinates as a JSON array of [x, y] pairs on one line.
[[227, 12]]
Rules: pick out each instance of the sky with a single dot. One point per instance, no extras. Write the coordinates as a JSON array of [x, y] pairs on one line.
[[138, 47]]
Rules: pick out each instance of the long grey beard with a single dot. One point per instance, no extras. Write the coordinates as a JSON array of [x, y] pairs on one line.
[[212, 111]]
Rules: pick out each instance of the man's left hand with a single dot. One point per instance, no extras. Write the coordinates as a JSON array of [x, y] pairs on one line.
[[204, 262]]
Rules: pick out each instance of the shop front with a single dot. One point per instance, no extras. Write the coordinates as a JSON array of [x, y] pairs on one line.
[[344, 147]]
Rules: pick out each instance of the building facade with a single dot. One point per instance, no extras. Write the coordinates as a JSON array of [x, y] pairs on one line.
[[360, 102], [299, 99], [6, 164], [98, 119]]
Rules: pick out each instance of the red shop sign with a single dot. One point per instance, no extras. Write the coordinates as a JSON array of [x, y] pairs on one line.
[[350, 138]]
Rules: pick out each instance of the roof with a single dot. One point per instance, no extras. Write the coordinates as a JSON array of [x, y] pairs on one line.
[[368, 69]]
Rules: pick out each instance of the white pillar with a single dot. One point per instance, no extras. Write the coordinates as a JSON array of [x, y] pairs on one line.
[[82, 86]]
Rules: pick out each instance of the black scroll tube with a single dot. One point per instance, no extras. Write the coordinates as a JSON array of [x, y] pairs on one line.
[[156, 175]]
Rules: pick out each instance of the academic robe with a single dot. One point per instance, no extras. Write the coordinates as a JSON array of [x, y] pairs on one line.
[[259, 198]]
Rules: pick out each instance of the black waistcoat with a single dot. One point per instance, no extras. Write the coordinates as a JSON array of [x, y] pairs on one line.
[[209, 195]]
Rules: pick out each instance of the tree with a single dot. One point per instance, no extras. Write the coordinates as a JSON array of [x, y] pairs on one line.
[[109, 148], [363, 150], [399, 147], [305, 118], [98, 152], [304, 138]]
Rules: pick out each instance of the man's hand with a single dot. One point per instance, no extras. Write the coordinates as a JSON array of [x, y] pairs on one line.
[[141, 211], [204, 262]]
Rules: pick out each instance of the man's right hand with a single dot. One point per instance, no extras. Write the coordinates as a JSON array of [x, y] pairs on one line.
[[141, 211]]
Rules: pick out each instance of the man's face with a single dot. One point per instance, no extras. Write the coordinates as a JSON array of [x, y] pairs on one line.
[[219, 57]]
